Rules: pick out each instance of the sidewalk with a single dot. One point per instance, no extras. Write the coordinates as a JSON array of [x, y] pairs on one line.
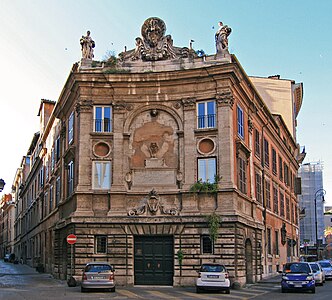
[[7, 268], [272, 279]]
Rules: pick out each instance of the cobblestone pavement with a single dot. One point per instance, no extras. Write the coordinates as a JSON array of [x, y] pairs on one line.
[[22, 282]]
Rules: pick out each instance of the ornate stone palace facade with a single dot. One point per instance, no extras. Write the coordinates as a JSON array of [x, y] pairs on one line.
[[160, 160]]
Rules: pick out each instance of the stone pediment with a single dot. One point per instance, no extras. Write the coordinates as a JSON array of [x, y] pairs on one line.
[[154, 45]]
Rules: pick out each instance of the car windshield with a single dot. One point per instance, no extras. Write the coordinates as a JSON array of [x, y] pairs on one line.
[[325, 264], [213, 268], [314, 267], [98, 268], [297, 268]]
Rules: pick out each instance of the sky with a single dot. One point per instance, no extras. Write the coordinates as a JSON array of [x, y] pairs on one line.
[[39, 43]]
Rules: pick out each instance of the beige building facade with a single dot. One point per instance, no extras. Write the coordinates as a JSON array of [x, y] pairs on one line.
[[159, 160]]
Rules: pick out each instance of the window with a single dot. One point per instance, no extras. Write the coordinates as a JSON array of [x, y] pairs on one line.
[[276, 242], [242, 175], [71, 128], [206, 114], [103, 120], [275, 200], [51, 198], [258, 188], [269, 248], [280, 169], [266, 153], [257, 144], [45, 204], [101, 244], [57, 191], [282, 204], [206, 244], [70, 178], [286, 174], [274, 161], [240, 122], [207, 169], [287, 208], [268, 194], [57, 149], [101, 175]]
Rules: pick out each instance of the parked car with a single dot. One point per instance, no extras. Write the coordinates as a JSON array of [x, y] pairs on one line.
[[327, 267], [6, 258], [297, 276], [319, 274], [98, 275], [213, 277]]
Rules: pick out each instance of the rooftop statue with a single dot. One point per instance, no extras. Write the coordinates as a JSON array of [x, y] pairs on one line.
[[87, 45], [154, 45], [221, 37]]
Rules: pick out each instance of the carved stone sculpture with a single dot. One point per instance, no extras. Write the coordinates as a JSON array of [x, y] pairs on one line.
[[87, 45], [221, 37], [154, 45]]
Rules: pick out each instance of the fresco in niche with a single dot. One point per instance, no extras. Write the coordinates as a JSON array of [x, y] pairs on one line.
[[153, 144]]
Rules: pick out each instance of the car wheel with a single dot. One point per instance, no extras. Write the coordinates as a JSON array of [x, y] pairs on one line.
[[83, 290], [283, 290], [228, 291], [112, 290], [198, 290], [313, 290]]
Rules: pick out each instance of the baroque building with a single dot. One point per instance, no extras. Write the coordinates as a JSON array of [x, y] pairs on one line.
[[159, 160]]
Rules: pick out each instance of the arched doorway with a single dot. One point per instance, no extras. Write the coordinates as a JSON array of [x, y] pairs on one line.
[[249, 260]]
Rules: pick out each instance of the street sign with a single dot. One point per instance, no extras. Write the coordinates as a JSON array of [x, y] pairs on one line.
[[71, 239]]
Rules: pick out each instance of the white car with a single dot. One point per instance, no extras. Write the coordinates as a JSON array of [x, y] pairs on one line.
[[327, 268], [213, 277], [319, 274]]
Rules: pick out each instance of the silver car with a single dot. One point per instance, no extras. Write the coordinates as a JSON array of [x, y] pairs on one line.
[[98, 275], [319, 274], [327, 268]]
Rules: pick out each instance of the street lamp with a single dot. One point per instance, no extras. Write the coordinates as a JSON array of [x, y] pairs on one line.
[[321, 193], [2, 184]]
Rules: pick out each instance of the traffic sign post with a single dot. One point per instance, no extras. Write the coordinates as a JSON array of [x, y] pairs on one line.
[[71, 240]]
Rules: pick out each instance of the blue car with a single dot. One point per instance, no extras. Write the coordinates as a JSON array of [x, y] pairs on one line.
[[297, 276]]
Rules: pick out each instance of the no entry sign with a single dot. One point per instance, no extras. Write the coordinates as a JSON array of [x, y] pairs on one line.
[[71, 239]]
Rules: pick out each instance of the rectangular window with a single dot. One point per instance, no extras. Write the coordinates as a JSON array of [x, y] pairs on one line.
[[207, 169], [258, 188], [286, 174], [268, 194], [275, 200], [266, 153], [282, 204], [274, 161], [57, 191], [206, 114], [101, 244], [103, 119], [269, 248], [71, 128], [45, 210], [280, 169], [276, 242], [287, 208], [206, 244], [51, 198], [101, 175], [242, 175], [57, 149], [70, 178], [240, 122], [257, 144]]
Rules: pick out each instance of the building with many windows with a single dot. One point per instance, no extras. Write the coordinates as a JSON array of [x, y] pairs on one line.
[[160, 160]]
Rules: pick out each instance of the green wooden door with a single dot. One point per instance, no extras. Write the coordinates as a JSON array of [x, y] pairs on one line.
[[154, 260]]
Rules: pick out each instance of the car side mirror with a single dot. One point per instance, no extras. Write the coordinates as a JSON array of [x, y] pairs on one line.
[[280, 272]]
